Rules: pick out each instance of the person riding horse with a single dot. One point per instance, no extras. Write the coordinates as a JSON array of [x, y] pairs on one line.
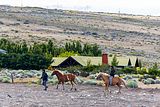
[[112, 73]]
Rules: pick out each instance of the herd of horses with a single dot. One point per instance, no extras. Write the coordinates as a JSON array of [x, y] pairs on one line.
[[62, 78]]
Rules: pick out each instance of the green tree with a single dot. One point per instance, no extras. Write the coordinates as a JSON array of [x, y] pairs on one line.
[[24, 48], [96, 50], [137, 63], [50, 46], [78, 47], [154, 70], [67, 54], [114, 61], [129, 62]]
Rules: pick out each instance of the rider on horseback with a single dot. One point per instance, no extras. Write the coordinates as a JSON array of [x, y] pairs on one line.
[[112, 73]]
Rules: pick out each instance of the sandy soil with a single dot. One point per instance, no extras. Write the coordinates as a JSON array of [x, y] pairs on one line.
[[127, 34], [25, 95]]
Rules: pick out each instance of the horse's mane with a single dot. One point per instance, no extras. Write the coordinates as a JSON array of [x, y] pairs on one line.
[[58, 71]]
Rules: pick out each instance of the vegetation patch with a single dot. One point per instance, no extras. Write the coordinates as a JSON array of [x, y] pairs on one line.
[[132, 84]]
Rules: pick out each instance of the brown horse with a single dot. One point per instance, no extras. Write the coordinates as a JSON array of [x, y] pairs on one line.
[[62, 78], [115, 81]]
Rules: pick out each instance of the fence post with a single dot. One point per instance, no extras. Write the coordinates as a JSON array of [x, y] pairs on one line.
[[12, 78]]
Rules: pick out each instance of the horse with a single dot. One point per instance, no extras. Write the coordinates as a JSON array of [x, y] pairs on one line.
[[62, 78], [115, 81]]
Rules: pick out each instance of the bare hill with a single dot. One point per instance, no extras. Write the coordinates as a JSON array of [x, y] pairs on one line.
[[120, 33]]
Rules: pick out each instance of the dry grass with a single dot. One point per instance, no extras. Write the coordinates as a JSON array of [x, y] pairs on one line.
[[26, 80]]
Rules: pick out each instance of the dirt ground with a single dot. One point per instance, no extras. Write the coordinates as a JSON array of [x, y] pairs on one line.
[[30, 95]]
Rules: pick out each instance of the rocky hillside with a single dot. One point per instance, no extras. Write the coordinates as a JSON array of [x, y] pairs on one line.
[[119, 33]]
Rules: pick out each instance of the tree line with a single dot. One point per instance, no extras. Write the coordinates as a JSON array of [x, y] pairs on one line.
[[39, 55]]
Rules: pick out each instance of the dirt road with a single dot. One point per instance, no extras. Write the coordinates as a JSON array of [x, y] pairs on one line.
[[28, 95]]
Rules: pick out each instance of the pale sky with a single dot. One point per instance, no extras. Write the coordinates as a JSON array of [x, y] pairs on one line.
[[141, 7]]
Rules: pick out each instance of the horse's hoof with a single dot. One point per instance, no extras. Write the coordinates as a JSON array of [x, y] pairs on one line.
[[75, 89]]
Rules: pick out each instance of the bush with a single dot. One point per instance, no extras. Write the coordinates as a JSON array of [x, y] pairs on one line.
[[149, 76], [6, 80], [132, 84], [157, 81], [90, 82], [92, 76], [149, 81], [141, 70], [128, 70], [146, 82], [38, 82], [84, 74], [73, 69], [127, 77], [104, 68], [80, 80], [26, 22], [137, 76], [154, 70]]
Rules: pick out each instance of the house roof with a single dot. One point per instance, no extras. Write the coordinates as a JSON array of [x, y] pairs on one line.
[[83, 60], [57, 60]]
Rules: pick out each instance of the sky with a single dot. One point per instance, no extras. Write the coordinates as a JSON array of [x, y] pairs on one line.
[[137, 7]]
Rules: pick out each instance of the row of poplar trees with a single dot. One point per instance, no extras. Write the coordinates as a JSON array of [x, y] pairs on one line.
[[39, 55]]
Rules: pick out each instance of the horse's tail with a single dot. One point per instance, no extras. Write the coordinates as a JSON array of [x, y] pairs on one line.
[[124, 83]]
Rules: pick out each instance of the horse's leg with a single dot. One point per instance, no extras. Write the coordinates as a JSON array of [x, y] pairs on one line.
[[119, 88], [58, 84], [63, 85], [71, 84], [106, 89], [75, 84]]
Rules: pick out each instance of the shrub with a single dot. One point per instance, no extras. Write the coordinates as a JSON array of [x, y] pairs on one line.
[[90, 82], [26, 22], [6, 80], [149, 76], [137, 76], [84, 74], [141, 70], [92, 76], [80, 80], [153, 70], [157, 81], [38, 82], [104, 68], [72, 69], [127, 77], [132, 84], [128, 70], [146, 82], [149, 81]]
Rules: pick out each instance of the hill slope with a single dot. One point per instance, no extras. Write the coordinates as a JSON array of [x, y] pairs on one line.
[[120, 33]]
